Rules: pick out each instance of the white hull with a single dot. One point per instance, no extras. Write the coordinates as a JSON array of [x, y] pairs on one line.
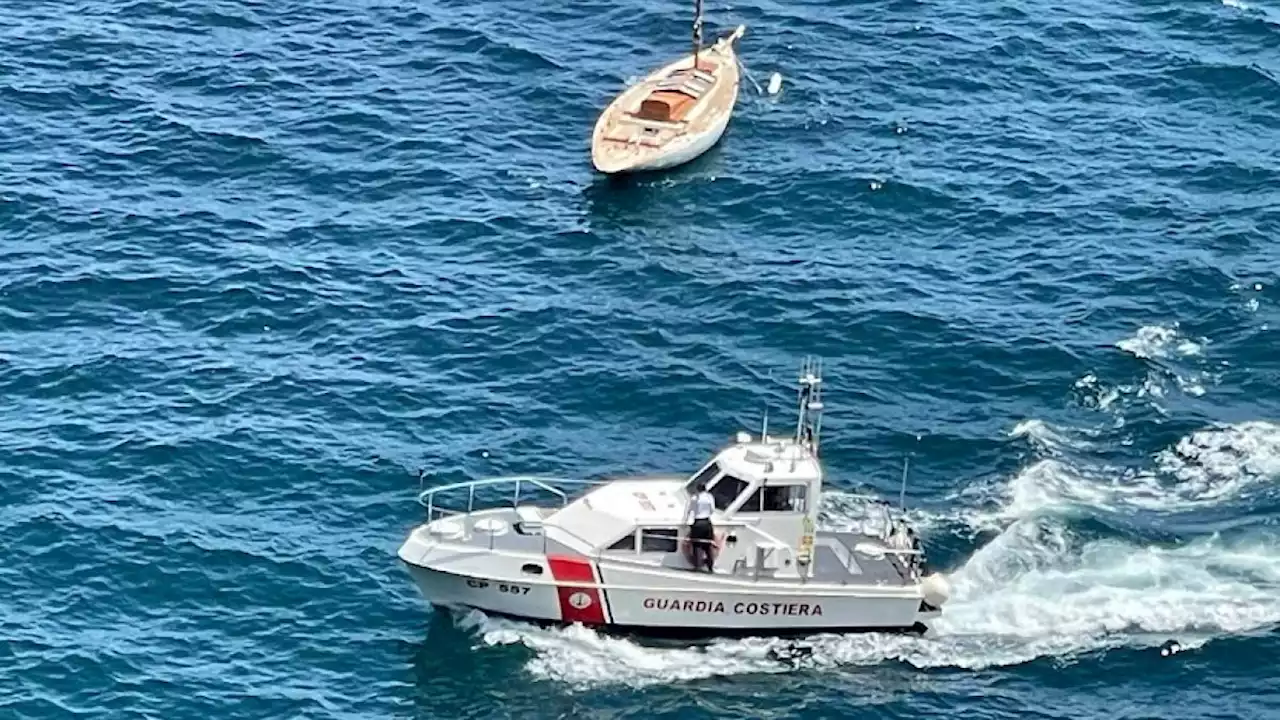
[[535, 602], [663, 603], [682, 151], [621, 142], [650, 599]]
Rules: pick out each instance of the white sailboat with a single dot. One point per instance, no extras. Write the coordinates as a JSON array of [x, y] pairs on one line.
[[675, 114]]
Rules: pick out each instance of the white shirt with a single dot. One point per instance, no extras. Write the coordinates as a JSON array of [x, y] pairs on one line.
[[700, 506]]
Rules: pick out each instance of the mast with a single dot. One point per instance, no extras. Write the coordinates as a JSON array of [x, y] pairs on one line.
[[697, 31]]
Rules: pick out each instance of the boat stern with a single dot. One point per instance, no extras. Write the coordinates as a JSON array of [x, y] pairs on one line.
[[605, 160], [935, 590]]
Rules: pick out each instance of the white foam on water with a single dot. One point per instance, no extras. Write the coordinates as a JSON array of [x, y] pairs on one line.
[[1156, 341], [1033, 592], [1219, 463], [1036, 590], [1113, 399], [844, 511], [1193, 385], [1053, 439], [580, 656], [1041, 433], [1209, 467], [1153, 390]]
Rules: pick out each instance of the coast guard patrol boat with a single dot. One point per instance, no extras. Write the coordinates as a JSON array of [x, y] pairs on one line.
[[614, 554]]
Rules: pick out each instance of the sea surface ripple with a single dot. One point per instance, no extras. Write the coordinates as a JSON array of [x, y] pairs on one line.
[[265, 263]]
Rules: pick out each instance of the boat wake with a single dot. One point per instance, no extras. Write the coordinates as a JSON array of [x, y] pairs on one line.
[[1041, 588], [1207, 469]]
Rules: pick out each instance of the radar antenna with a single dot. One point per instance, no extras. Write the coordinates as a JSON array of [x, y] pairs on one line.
[[809, 422]]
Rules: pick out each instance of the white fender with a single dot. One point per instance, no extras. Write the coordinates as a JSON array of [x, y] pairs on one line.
[[936, 589]]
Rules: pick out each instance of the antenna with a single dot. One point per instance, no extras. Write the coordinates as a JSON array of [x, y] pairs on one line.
[[902, 494], [764, 425], [809, 422]]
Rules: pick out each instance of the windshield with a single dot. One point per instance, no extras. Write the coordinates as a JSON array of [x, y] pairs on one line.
[[728, 489], [705, 476]]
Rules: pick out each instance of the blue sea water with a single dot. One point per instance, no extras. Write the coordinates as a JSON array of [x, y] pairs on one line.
[[262, 263]]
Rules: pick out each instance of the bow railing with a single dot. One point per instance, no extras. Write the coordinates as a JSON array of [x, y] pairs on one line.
[[431, 499]]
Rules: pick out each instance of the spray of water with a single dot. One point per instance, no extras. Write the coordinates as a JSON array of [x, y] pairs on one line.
[[1036, 590]]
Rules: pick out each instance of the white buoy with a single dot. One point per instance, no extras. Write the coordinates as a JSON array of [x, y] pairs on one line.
[[775, 83]]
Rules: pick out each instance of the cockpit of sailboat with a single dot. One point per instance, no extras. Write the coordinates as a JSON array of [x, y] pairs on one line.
[[678, 93]]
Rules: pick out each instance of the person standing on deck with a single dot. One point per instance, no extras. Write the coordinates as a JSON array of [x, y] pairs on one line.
[[702, 536]]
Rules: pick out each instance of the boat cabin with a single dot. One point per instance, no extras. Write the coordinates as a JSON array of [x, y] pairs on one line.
[[766, 493], [674, 96]]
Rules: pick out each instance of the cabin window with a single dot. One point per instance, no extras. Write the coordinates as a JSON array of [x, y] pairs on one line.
[[726, 490], [707, 473], [776, 498], [626, 543], [658, 540]]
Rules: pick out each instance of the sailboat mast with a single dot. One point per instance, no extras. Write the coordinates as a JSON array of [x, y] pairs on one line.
[[697, 31]]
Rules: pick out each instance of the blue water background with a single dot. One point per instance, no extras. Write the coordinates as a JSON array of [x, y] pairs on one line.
[[261, 264]]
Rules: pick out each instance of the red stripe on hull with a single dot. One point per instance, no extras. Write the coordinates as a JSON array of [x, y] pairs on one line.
[[577, 604]]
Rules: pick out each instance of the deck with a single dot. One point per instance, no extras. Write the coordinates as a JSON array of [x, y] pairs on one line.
[[523, 531]]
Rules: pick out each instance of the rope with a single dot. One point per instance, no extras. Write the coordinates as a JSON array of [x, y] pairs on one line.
[[743, 69]]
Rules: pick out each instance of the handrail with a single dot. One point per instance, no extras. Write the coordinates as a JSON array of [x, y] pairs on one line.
[[534, 479], [426, 497], [718, 523], [591, 551]]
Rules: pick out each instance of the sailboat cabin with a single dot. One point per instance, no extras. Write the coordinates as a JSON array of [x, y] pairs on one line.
[[678, 93]]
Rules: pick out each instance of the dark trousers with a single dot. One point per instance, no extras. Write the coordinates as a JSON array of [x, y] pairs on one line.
[[702, 539]]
